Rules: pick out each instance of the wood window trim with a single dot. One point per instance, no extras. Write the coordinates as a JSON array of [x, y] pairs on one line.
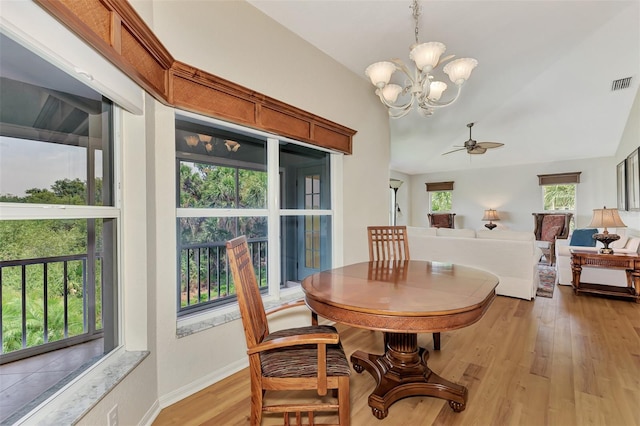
[[439, 186], [559, 178], [115, 30]]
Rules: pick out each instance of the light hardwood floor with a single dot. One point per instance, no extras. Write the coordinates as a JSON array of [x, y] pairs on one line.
[[569, 360]]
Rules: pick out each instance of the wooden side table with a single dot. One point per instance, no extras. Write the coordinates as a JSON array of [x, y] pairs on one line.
[[629, 262]]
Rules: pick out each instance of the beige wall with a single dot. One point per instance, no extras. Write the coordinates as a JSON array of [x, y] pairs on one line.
[[515, 193]]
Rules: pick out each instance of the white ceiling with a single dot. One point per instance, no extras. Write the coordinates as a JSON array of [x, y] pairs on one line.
[[542, 86]]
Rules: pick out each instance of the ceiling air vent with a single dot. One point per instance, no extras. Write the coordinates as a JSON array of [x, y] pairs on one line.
[[622, 83]]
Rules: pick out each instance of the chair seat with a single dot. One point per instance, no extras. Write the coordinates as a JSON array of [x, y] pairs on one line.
[[302, 361]]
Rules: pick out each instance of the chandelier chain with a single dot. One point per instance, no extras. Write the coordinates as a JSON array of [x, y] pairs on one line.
[[416, 9]]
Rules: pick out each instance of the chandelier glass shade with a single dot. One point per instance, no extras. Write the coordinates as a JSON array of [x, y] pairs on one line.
[[420, 88]]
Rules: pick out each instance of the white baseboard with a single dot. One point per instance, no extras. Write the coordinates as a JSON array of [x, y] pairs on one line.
[[201, 383], [151, 414]]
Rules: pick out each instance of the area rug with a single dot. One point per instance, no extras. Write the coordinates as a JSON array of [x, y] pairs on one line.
[[547, 283]]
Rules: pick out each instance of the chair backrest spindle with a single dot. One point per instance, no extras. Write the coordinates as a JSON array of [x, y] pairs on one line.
[[388, 243]]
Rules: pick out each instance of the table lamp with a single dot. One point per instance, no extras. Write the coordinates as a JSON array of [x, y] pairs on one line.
[[490, 215], [606, 218]]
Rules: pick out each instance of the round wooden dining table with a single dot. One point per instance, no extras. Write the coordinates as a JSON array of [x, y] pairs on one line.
[[401, 299]]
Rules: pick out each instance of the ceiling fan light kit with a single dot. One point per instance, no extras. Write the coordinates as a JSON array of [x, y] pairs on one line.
[[420, 85]]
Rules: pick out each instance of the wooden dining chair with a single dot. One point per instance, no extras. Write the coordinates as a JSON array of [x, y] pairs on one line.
[[388, 243], [391, 243], [303, 358]]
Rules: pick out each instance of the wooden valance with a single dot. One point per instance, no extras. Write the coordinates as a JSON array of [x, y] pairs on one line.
[[559, 178], [439, 186], [115, 30]]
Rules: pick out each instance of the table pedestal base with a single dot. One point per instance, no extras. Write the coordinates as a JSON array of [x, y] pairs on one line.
[[402, 372]]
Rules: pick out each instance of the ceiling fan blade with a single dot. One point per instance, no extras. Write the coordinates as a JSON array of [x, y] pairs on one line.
[[455, 150], [477, 150], [489, 144]]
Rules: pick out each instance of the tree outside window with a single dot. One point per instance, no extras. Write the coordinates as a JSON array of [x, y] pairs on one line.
[[559, 197], [440, 201]]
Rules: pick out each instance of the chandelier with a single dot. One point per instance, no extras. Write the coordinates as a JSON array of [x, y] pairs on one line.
[[420, 87]]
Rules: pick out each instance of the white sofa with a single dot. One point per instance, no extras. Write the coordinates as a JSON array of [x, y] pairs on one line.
[[512, 256], [615, 277]]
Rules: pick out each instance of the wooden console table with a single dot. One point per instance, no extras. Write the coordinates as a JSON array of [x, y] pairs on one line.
[[628, 262]]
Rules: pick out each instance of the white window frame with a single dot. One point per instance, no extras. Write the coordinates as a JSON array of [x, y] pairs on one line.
[[275, 294]]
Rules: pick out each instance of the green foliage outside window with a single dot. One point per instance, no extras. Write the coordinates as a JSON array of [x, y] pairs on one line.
[[441, 201], [559, 197], [32, 239], [213, 186]]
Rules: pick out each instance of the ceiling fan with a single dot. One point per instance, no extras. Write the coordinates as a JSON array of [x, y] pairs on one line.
[[474, 147]]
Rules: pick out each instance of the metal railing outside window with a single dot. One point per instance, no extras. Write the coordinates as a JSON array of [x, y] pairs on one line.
[[57, 304], [205, 279]]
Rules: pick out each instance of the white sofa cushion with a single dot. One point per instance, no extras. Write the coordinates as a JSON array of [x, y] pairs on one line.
[[564, 250], [423, 232], [633, 244], [506, 235], [456, 233], [621, 243]]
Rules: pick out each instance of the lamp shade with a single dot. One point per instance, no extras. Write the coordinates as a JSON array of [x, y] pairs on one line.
[[380, 73], [606, 218], [435, 90], [490, 214], [395, 183], [391, 92], [192, 140], [460, 69], [427, 55]]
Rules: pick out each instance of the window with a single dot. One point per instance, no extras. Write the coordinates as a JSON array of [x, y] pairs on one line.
[[559, 197], [58, 263], [223, 180], [559, 191], [440, 201], [440, 196]]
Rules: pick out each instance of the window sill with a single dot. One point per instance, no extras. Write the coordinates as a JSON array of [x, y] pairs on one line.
[[72, 402], [203, 321]]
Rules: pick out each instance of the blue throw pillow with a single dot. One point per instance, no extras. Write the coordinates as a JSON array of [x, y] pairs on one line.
[[583, 237]]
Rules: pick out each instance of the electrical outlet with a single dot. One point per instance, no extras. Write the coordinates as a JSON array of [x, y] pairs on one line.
[[112, 416]]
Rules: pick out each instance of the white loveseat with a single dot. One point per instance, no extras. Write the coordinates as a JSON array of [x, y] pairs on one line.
[[615, 277], [512, 256]]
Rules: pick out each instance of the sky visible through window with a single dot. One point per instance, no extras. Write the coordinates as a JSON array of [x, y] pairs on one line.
[[26, 164]]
